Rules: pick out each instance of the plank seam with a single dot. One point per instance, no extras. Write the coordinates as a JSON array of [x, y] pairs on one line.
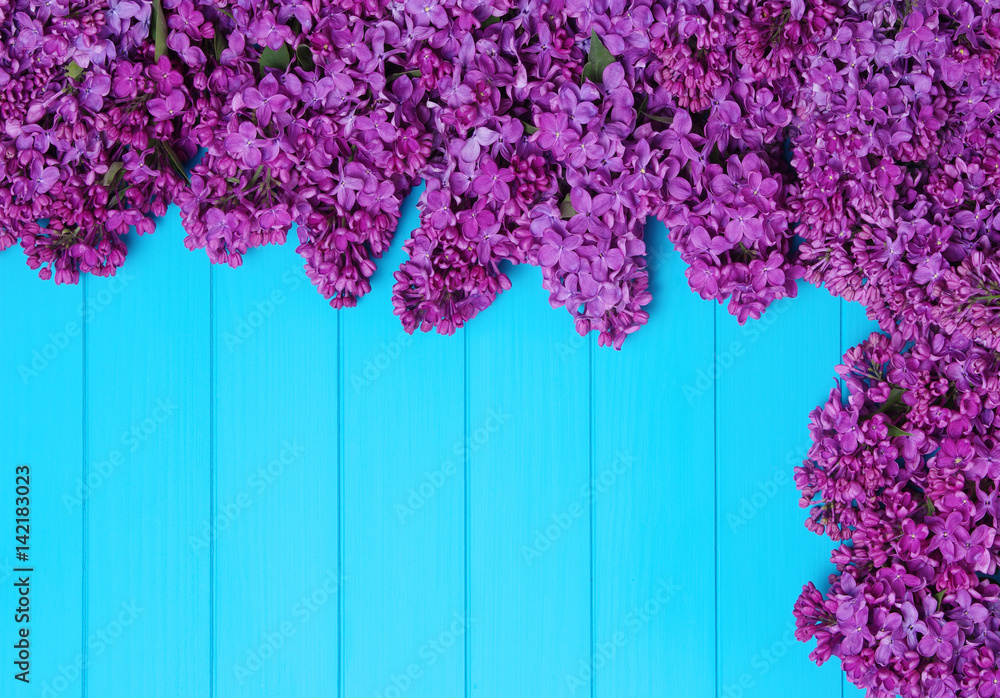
[[715, 485], [593, 520], [213, 476], [467, 601], [340, 505], [84, 508]]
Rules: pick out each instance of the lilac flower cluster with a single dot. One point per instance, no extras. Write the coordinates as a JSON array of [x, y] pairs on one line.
[[83, 146], [564, 126], [547, 132], [908, 470], [852, 143], [896, 151], [543, 160], [724, 172], [312, 119]]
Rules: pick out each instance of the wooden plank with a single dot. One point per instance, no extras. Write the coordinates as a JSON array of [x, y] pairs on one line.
[[529, 517], [654, 496], [276, 530], [596, 547], [148, 460], [41, 425], [404, 553], [855, 325], [782, 368]]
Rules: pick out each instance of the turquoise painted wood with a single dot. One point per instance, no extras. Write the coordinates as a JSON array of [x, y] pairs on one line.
[[787, 357], [275, 446], [42, 418], [148, 463], [654, 497], [404, 482], [238, 491], [529, 430]]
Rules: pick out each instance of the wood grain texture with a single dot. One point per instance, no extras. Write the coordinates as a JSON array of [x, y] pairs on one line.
[[654, 495], [309, 502], [404, 484], [771, 374], [275, 530], [530, 431], [41, 424], [148, 416]]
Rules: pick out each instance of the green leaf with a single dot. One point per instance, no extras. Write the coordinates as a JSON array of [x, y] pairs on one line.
[[279, 59], [489, 21], [112, 173], [159, 29], [566, 208], [896, 431], [598, 59], [304, 56], [661, 119], [895, 395], [529, 128], [220, 44], [73, 70], [175, 161]]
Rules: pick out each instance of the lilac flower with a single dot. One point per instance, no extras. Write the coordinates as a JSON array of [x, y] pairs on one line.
[[645, 178], [767, 272], [744, 225], [921, 553], [427, 12], [939, 640], [94, 89], [856, 632], [244, 144], [558, 251], [126, 81], [169, 107], [589, 211], [554, 133], [40, 180], [493, 180], [120, 10], [912, 628], [577, 110], [929, 270], [265, 99]]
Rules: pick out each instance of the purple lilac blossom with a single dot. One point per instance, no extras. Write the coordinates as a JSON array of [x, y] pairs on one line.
[[896, 154], [850, 143], [323, 115], [904, 472], [88, 142]]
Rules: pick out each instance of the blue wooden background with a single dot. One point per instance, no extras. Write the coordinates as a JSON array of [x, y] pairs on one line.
[[238, 491]]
